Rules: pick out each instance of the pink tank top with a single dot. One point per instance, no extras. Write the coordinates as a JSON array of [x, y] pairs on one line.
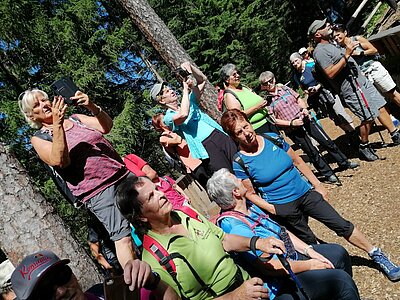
[[95, 165]]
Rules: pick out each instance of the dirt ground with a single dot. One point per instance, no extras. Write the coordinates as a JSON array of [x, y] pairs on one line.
[[369, 198]]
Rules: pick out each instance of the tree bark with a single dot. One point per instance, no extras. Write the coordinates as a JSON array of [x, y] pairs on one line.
[[27, 223], [165, 43]]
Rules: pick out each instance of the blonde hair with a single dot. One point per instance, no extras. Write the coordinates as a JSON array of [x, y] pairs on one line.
[[26, 102]]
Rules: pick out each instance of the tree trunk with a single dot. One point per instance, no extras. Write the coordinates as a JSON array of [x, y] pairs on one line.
[[27, 223], [162, 39]]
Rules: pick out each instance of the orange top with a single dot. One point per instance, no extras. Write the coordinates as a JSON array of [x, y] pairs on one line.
[[175, 144]]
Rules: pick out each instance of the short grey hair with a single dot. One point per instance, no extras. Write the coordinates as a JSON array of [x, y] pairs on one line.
[[265, 76], [220, 187], [26, 102], [226, 71], [295, 55]]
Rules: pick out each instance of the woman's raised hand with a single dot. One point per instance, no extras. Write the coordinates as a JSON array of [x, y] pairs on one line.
[[58, 108], [81, 99]]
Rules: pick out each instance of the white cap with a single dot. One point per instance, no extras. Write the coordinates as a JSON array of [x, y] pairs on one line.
[[302, 50], [6, 269]]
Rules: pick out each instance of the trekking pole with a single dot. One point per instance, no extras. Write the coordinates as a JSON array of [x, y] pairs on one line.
[[286, 265], [366, 103]]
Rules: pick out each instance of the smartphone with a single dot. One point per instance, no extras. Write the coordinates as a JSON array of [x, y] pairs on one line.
[[116, 289], [66, 88]]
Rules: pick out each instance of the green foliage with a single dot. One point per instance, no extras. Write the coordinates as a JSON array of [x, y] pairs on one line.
[[96, 45], [255, 35]]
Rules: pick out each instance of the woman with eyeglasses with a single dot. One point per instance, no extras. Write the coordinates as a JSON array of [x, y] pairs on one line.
[[205, 137], [291, 113], [77, 150], [234, 95]]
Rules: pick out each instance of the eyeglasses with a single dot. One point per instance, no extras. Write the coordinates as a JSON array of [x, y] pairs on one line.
[[56, 277], [268, 82], [336, 27]]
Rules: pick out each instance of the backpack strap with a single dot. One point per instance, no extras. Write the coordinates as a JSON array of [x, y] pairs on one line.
[[238, 216], [238, 159], [187, 210], [278, 141], [227, 91]]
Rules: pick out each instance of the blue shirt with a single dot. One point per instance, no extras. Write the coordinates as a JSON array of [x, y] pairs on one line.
[[259, 224], [306, 78], [273, 173], [195, 129]]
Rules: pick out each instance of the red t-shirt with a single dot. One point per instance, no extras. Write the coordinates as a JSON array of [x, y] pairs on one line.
[[135, 164]]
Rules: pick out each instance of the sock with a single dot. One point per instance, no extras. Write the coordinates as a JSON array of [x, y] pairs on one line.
[[364, 145], [372, 251]]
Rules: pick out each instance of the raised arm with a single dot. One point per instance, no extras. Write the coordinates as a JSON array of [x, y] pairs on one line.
[[238, 243], [54, 153], [332, 70], [100, 121], [199, 76], [369, 49]]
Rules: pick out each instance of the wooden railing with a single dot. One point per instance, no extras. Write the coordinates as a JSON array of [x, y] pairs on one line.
[[387, 41]]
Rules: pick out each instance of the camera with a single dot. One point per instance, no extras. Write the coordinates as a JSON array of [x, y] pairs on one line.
[[181, 73], [268, 97], [66, 88]]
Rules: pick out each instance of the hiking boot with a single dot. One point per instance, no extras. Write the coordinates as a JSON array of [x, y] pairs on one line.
[[333, 179], [395, 137], [349, 165], [366, 153], [387, 266]]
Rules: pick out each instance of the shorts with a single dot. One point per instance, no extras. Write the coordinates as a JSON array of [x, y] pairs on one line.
[[356, 103], [104, 207], [380, 77]]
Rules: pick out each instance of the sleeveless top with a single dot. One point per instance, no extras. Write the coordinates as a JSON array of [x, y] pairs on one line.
[[248, 99], [95, 165]]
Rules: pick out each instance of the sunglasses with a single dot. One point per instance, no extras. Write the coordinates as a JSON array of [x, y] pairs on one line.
[[56, 277], [268, 82], [338, 27]]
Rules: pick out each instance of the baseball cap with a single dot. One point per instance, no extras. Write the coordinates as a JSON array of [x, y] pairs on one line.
[[156, 90], [317, 24], [302, 50], [31, 269]]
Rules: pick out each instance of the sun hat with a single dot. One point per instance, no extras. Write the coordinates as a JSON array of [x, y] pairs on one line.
[[156, 90], [302, 50], [315, 26], [31, 269]]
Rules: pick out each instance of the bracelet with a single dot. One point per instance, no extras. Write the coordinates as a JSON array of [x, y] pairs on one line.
[[306, 250], [291, 123], [99, 111], [253, 242], [152, 286], [345, 59]]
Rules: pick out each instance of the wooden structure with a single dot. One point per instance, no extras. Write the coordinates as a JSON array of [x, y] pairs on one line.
[[387, 41], [198, 196]]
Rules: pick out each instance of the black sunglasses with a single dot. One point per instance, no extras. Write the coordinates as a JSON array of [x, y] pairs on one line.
[[58, 276]]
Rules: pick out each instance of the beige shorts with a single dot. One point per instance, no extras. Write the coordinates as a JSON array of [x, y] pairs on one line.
[[380, 77]]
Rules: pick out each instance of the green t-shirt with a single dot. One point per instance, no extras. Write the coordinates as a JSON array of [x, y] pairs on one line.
[[204, 251], [248, 99]]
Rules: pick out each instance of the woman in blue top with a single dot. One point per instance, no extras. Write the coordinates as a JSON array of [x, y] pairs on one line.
[[205, 137], [324, 270], [273, 168]]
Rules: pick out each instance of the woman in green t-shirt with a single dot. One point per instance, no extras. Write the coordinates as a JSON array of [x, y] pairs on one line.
[[186, 250], [237, 96]]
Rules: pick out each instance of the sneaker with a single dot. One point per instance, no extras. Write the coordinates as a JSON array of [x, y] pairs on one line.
[[366, 153], [395, 137], [388, 267], [333, 179], [349, 165]]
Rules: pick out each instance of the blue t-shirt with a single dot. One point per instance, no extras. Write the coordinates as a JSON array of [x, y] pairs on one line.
[[259, 224], [273, 173], [306, 79], [195, 129]]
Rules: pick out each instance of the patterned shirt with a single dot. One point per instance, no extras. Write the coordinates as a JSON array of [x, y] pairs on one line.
[[284, 104]]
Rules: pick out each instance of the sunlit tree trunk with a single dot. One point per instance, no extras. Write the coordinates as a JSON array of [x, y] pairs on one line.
[[28, 224]]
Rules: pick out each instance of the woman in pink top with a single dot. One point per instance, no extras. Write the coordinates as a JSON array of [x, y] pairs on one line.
[[76, 148], [175, 145]]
